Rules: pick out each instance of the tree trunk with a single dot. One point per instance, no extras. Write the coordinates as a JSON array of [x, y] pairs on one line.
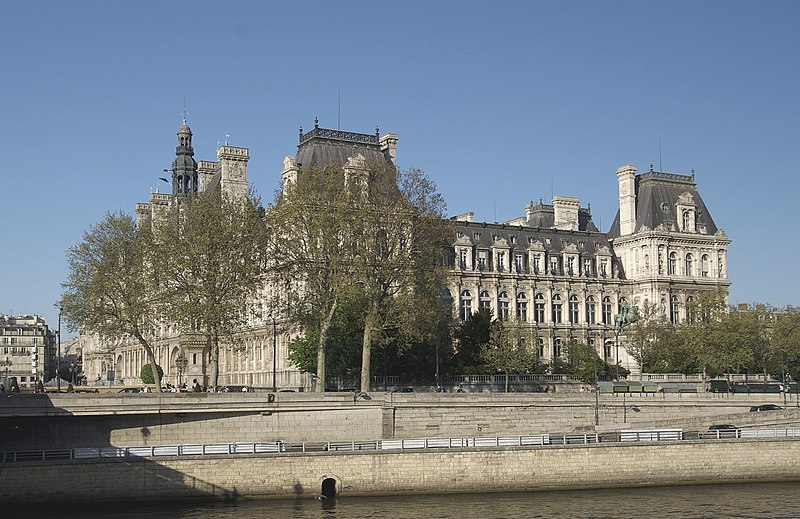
[[152, 358], [322, 346], [213, 360], [366, 348], [506, 372]]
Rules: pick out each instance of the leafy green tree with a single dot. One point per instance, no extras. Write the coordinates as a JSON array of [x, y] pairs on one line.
[[642, 339], [399, 239], [146, 374], [111, 289], [474, 332], [785, 337], [210, 257], [507, 349], [312, 222]]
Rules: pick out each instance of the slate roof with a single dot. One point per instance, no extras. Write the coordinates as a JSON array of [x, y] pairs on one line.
[[321, 146], [520, 237], [657, 194], [543, 216]]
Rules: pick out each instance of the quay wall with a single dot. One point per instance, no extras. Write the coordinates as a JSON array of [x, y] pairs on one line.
[[69, 421], [297, 474]]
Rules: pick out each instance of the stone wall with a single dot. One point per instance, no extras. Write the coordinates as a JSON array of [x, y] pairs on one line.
[[537, 468], [91, 421]]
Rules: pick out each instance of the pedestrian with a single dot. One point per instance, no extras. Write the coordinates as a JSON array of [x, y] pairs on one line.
[[196, 386]]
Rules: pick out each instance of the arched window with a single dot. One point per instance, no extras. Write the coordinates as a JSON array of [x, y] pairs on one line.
[[573, 309], [622, 302], [687, 221], [556, 308], [590, 310], [502, 306], [465, 305], [522, 307], [673, 264], [538, 308], [540, 343], [704, 265], [607, 310], [485, 300], [690, 309], [557, 348], [673, 310], [607, 348], [689, 262]]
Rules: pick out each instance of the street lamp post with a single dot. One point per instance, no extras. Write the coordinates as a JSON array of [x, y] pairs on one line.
[[72, 372], [58, 359], [596, 394], [274, 359]]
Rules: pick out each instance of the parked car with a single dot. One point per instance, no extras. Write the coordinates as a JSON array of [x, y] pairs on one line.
[[405, 390], [724, 430], [765, 407]]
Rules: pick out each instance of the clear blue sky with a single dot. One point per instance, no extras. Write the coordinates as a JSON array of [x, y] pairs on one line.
[[496, 101]]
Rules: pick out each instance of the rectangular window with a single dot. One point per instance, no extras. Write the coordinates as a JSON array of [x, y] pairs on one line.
[[501, 261], [518, 262]]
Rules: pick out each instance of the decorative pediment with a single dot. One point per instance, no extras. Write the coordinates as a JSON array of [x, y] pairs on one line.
[[463, 241], [721, 233], [644, 228], [603, 251], [536, 245], [686, 199], [500, 243], [571, 248]]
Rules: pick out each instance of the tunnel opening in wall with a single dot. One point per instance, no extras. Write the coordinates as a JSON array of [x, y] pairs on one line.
[[329, 488]]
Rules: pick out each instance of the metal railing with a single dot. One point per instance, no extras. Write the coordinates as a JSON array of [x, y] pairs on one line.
[[278, 448]]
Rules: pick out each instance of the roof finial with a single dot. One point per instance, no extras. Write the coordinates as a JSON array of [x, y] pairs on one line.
[[316, 122], [184, 110], [651, 167], [377, 131], [226, 139], [692, 173]]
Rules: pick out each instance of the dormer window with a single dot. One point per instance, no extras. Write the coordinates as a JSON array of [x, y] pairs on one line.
[[476, 236], [688, 220]]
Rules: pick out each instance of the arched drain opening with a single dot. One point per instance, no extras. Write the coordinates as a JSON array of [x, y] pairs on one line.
[[329, 488]]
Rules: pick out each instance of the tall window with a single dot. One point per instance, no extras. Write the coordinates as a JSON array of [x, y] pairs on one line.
[[522, 307], [704, 265], [573, 309], [604, 267], [607, 349], [502, 306], [465, 305], [607, 310], [571, 266], [590, 310], [518, 262], [690, 309], [689, 262], [485, 300], [482, 260], [540, 343], [554, 265], [687, 221], [536, 264], [556, 308], [672, 267], [673, 310], [557, 348], [462, 259], [538, 308], [587, 267], [501, 261]]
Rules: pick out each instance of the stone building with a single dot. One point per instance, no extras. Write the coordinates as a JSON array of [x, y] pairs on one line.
[[28, 352], [552, 269], [554, 272]]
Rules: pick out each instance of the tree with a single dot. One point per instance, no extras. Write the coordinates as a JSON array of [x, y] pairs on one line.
[[507, 350], [146, 374], [474, 332], [210, 260], [583, 362], [311, 246], [400, 241], [111, 289], [644, 335]]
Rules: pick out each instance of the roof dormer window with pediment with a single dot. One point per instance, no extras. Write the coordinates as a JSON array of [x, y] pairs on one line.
[[686, 210]]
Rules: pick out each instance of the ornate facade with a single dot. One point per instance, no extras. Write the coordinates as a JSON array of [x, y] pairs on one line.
[[552, 270], [556, 273]]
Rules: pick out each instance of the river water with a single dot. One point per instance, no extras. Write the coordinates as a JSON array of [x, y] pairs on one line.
[[750, 500]]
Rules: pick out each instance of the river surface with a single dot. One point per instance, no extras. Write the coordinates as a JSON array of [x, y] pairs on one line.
[[761, 500]]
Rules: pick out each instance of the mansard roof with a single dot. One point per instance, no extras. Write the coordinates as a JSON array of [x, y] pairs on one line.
[[543, 216], [521, 237], [321, 146], [657, 197]]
